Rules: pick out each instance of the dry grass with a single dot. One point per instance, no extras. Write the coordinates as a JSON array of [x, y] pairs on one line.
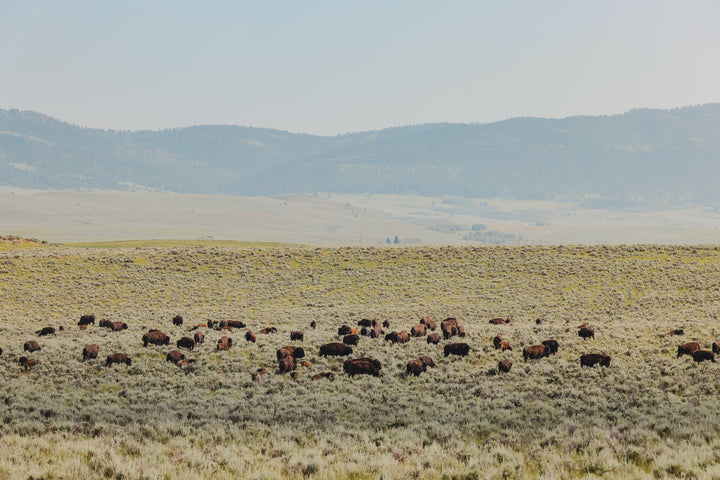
[[549, 418]]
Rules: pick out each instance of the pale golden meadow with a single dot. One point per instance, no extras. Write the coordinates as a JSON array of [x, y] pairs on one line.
[[650, 415]]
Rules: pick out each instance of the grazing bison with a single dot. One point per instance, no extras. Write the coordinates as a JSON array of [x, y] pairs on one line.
[[460, 349], [461, 331], [427, 361], [552, 345], [27, 362], [177, 320], [297, 336], [386, 324], [586, 333], [235, 324], [345, 330], [677, 331], [416, 367], [504, 366], [286, 364], [376, 329], [156, 337], [91, 351], [535, 351], [250, 336], [290, 351], [351, 339], [702, 355], [86, 320], [433, 338], [175, 356], [199, 325], [449, 327], [364, 331], [496, 341], [117, 326], [199, 337], [362, 366], [687, 349], [418, 330], [226, 340], [186, 342], [335, 349], [498, 321], [267, 330], [592, 359], [365, 322], [45, 331], [105, 323], [117, 358], [504, 346], [222, 346], [31, 346], [329, 375], [398, 337], [429, 323]]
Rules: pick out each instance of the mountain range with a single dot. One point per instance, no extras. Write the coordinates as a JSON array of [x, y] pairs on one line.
[[645, 155]]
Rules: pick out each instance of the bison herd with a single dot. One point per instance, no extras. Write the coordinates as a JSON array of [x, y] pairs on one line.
[[288, 357]]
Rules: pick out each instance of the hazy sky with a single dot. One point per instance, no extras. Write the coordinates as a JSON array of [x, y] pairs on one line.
[[329, 67]]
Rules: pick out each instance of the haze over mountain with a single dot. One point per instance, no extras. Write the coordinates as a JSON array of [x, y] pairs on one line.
[[646, 156]]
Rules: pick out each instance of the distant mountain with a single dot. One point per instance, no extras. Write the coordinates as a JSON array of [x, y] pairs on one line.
[[655, 156]]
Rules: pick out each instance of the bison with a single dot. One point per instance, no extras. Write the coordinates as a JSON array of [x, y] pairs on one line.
[[296, 335], [226, 340], [496, 341], [504, 346], [365, 322], [31, 346], [449, 327], [45, 331], [429, 323], [351, 339], [433, 338], [416, 367], [313, 324], [504, 366], [257, 375], [702, 355], [175, 356], [716, 347], [535, 351], [90, 351], [586, 333], [117, 358], [250, 336], [538, 321], [498, 321], [177, 320], [592, 359], [345, 330], [86, 320], [267, 330], [335, 349], [398, 337], [117, 326], [105, 323], [235, 324], [287, 364], [552, 345], [427, 361], [199, 337], [362, 366], [290, 351], [418, 330], [677, 331], [364, 331], [222, 346], [460, 349], [186, 342], [329, 375], [27, 362], [156, 337], [687, 349]]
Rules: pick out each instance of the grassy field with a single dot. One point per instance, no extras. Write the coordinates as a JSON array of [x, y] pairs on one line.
[[649, 415]]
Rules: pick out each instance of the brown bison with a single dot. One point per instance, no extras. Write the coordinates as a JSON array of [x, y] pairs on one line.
[[329, 375], [504, 366], [427, 361], [499, 321], [376, 329], [416, 367], [286, 364], [364, 331], [199, 337], [535, 351], [677, 331], [305, 364], [365, 322], [117, 358], [257, 375], [267, 330], [449, 327], [592, 359], [31, 346], [226, 340], [186, 342], [250, 336], [222, 346], [91, 351], [418, 330], [362, 366], [27, 363], [86, 320], [175, 356], [461, 331], [351, 339], [504, 346], [199, 325], [460, 349], [429, 323], [538, 321], [496, 341], [687, 349], [156, 337], [586, 333], [105, 323], [235, 324], [313, 324], [335, 349], [716, 347], [398, 337], [300, 336], [702, 355], [552, 345], [345, 330], [117, 326], [177, 320], [45, 331], [433, 338], [385, 324], [290, 351]]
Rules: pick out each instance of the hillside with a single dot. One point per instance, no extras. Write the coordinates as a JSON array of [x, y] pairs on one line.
[[646, 156]]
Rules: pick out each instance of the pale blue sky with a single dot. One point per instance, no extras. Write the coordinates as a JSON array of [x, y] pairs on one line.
[[329, 67]]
